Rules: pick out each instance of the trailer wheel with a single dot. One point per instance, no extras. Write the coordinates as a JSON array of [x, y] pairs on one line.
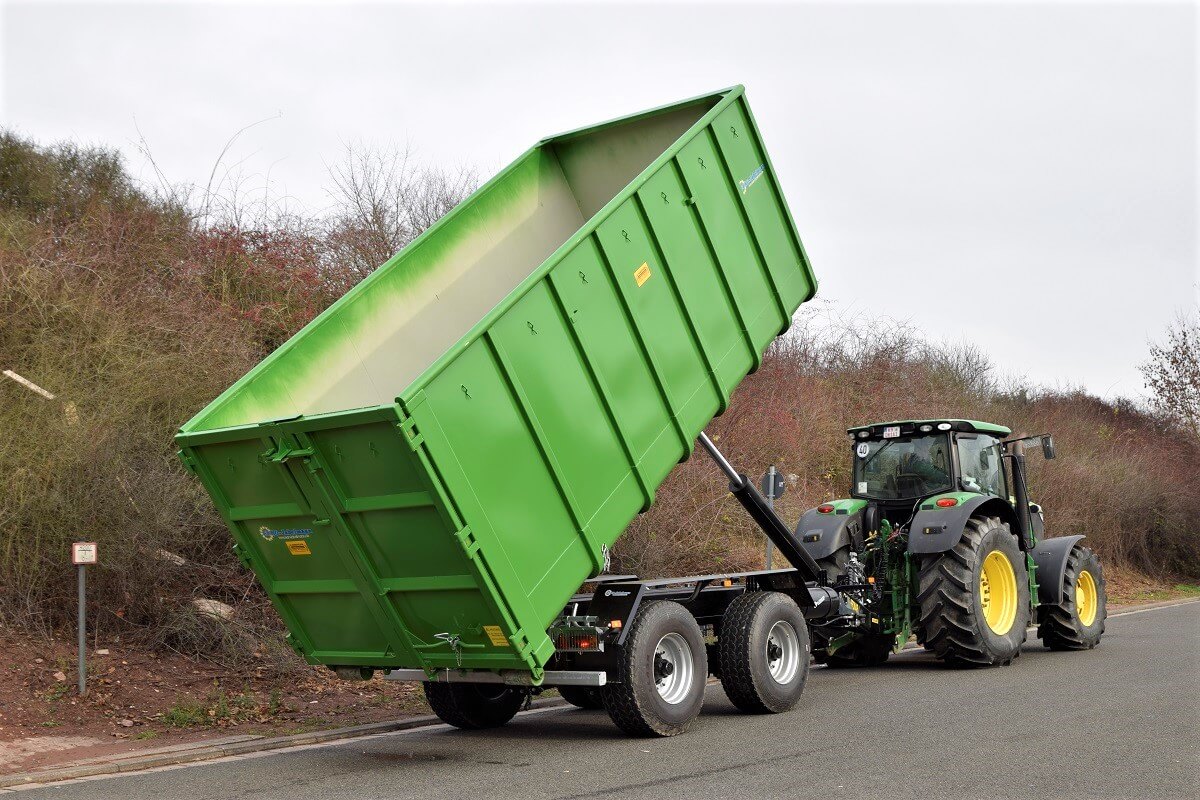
[[764, 652], [474, 706], [975, 597], [1077, 623], [661, 672], [589, 697]]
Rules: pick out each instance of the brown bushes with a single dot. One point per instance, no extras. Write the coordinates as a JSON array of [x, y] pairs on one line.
[[1122, 477], [135, 315]]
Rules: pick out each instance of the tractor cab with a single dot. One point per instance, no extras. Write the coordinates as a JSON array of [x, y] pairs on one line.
[[899, 463]]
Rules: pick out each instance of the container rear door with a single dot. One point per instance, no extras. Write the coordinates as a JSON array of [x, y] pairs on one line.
[[357, 544]]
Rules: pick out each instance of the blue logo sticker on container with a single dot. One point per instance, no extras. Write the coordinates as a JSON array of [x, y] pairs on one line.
[[749, 180], [284, 533]]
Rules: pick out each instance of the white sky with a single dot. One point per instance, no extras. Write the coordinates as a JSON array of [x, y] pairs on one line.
[[1018, 176]]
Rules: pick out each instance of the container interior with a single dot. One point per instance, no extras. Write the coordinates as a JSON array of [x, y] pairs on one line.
[[367, 348]]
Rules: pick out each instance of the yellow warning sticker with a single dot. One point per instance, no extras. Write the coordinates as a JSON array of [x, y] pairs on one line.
[[298, 547], [496, 635], [642, 273]]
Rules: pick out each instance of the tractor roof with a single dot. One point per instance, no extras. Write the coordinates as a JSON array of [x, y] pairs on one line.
[[910, 425]]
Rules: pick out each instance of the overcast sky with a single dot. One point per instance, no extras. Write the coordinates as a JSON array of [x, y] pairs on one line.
[[1018, 176]]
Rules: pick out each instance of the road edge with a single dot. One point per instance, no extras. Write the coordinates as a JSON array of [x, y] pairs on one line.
[[207, 751]]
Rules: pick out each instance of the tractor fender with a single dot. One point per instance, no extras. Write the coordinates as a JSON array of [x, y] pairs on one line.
[[936, 530], [822, 534], [1050, 557]]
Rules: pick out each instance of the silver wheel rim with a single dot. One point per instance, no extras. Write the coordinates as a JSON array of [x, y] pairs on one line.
[[783, 652], [674, 668]]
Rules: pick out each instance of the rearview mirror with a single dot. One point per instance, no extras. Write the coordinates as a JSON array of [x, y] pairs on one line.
[[1048, 447]]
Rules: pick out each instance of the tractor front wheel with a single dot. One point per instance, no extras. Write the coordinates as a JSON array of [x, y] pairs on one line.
[[1076, 623], [975, 597], [868, 650]]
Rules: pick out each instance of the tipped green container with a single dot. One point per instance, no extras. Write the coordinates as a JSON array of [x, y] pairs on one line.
[[425, 474]]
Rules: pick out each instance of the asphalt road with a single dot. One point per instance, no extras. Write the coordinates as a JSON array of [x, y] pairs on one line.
[[1119, 721]]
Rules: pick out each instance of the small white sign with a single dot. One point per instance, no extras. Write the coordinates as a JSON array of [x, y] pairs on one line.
[[891, 432], [863, 449], [84, 553]]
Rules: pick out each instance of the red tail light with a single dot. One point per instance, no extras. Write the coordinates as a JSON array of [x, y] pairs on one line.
[[825, 508], [947, 502]]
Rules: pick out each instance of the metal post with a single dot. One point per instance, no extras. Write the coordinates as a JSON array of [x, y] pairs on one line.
[[770, 505], [82, 630]]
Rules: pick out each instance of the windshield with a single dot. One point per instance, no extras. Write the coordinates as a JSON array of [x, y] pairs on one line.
[[903, 468]]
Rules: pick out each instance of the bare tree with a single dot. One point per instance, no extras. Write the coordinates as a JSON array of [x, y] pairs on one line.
[[383, 200], [1173, 373]]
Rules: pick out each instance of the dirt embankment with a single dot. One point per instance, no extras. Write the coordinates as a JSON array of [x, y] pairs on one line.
[[139, 699]]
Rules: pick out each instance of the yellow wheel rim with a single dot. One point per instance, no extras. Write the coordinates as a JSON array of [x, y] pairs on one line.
[[998, 593], [1086, 601]]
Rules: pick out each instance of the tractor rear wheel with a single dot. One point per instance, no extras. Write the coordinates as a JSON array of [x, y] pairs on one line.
[[868, 650], [473, 706], [589, 697], [974, 597], [1076, 623], [763, 652]]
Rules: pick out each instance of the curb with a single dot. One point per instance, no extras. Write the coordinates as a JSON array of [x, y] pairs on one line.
[[237, 746], [206, 751]]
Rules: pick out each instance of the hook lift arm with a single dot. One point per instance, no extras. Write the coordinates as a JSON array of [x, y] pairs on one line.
[[765, 517]]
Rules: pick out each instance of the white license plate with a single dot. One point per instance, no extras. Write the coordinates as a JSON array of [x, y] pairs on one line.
[[891, 432]]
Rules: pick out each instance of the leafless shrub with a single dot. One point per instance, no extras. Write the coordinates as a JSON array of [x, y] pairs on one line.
[[384, 199], [1172, 374]]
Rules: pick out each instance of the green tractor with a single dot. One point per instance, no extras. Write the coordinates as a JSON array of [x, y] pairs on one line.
[[939, 539]]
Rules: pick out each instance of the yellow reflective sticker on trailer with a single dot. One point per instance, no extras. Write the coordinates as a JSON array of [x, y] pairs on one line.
[[642, 274], [496, 635], [298, 547]]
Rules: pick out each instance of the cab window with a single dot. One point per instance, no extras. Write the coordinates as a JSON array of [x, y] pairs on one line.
[[979, 464]]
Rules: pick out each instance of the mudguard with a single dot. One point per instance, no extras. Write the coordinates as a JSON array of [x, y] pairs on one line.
[[1050, 556], [936, 530], [822, 534]]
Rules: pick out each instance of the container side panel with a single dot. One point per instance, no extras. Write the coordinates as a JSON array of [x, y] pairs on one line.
[[763, 201], [611, 344], [493, 464], [647, 286], [720, 214], [557, 392], [701, 287]]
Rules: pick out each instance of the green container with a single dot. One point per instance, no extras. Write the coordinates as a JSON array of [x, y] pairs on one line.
[[425, 474]]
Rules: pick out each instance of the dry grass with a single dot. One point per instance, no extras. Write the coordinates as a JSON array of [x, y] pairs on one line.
[[135, 311]]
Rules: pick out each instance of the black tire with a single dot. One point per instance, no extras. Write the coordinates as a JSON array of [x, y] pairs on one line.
[[474, 706], [952, 624], [1060, 625], [834, 564], [868, 650], [763, 667], [589, 697], [634, 701]]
